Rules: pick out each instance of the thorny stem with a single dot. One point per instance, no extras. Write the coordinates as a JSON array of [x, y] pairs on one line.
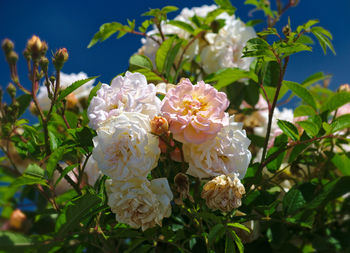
[[35, 85], [187, 47], [265, 94], [281, 11], [271, 110]]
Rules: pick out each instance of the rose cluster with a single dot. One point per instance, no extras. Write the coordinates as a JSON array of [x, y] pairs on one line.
[[131, 123]]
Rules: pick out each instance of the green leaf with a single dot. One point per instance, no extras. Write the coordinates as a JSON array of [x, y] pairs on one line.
[[301, 92], [293, 201], [171, 57], [14, 242], [169, 8], [53, 138], [228, 76], [327, 127], [75, 211], [270, 73], [229, 244], [183, 25], [238, 225], [28, 180], [226, 5], [332, 190], [271, 91], [312, 125], [289, 129], [324, 38], [93, 92], [251, 93], [140, 62], [162, 53], [337, 100], [304, 110], [73, 87], [342, 163], [215, 233], [105, 31], [285, 49], [341, 123], [24, 101], [275, 164], [35, 171], [307, 25], [257, 47], [237, 241], [254, 22], [150, 75], [53, 160], [314, 78]]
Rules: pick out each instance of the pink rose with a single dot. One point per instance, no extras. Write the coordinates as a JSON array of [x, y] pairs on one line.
[[195, 113]]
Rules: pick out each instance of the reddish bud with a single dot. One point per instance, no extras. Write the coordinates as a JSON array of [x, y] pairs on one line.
[[159, 125], [59, 58], [17, 219]]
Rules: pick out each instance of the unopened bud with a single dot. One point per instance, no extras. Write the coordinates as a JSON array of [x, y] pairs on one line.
[[11, 89], [17, 220], [59, 58], [7, 45], [26, 54], [344, 87], [294, 2], [44, 64], [286, 30], [52, 79], [71, 101], [34, 44], [159, 125], [44, 48], [12, 57]]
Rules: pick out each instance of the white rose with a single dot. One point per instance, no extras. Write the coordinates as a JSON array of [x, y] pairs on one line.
[[138, 202], [226, 153], [225, 48], [125, 147], [125, 94]]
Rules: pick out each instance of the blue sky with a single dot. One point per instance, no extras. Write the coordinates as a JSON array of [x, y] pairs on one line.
[[72, 24]]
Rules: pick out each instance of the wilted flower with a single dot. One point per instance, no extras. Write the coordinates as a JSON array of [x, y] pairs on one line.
[[138, 202], [225, 47], [225, 154], [131, 93], [125, 147], [66, 80], [182, 186], [195, 113], [223, 192]]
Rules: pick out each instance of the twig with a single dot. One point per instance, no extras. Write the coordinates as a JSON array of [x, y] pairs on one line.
[[292, 144]]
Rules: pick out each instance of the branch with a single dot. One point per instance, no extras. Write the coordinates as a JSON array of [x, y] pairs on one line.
[[292, 144]]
